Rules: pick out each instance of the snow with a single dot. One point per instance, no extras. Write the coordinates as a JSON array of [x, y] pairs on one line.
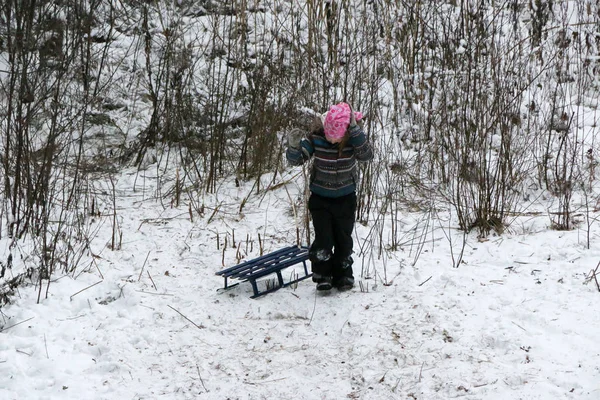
[[515, 320]]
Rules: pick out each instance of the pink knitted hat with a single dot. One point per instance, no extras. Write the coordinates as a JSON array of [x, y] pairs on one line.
[[337, 120]]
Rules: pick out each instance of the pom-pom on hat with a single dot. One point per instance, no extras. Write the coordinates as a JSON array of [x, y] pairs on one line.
[[337, 120]]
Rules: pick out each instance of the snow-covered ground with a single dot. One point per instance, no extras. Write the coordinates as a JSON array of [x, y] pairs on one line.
[[514, 321]]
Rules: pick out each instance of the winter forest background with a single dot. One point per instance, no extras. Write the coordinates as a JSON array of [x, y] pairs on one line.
[[483, 115]]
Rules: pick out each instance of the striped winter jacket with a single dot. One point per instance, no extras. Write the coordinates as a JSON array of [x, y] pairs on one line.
[[332, 175]]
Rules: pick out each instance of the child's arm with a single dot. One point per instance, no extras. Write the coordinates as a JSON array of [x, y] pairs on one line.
[[298, 155], [363, 151]]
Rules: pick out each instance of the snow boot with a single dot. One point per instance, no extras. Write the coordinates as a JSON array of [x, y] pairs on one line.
[[323, 282], [344, 283]]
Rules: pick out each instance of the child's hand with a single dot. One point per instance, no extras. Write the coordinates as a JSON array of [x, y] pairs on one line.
[[294, 136], [352, 116]]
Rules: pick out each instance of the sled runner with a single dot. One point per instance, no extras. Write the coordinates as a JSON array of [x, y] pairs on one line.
[[268, 264]]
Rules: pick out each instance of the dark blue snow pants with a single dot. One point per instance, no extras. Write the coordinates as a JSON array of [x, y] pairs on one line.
[[333, 221]]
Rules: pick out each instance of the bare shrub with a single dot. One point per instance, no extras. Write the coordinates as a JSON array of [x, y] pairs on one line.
[[53, 62]]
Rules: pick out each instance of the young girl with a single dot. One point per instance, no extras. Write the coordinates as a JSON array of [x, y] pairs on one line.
[[336, 145]]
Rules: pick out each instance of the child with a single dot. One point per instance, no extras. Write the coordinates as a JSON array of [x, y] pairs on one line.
[[335, 144]]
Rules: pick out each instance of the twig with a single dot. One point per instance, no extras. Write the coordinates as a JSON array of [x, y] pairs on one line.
[[519, 326], [84, 289], [201, 381], [421, 371], [147, 255], [120, 294], [396, 385], [178, 312], [160, 220], [71, 318], [426, 280], [152, 280], [485, 384], [46, 346], [298, 242], [272, 380], [18, 323], [214, 213], [314, 308], [594, 274], [156, 294], [344, 324], [98, 268]]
